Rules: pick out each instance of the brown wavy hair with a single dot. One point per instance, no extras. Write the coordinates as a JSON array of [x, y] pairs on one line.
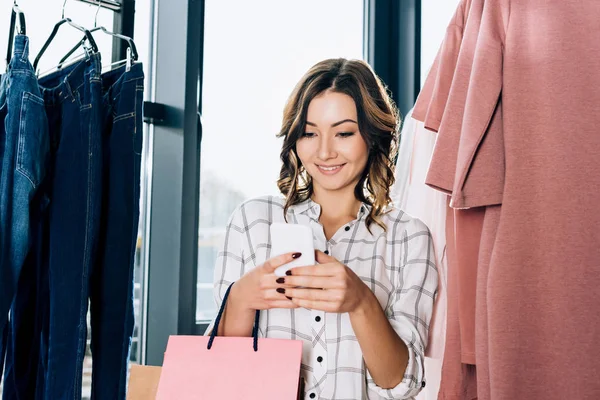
[[378, 122]]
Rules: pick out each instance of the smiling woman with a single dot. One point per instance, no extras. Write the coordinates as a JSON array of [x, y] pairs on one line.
[[363, 311], [338, 120]]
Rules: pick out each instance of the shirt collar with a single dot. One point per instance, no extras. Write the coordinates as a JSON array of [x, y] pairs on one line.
[[313, 209]]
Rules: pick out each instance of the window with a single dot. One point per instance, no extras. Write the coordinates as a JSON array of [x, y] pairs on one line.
[[253, 58]]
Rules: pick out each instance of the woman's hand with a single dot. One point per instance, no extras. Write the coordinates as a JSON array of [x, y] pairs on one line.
[[329, 286], [257, 289]]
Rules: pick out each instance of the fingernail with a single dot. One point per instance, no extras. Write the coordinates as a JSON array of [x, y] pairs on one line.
[[288, 273], [281, 290], [288, 297], [280, 280], [296, 255]]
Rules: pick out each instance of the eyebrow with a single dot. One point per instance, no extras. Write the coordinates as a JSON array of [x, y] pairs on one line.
[[334, 124]]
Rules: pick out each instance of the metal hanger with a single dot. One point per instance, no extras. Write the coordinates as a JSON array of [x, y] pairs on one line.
[[17, 23], [132, 54], [88, 36]]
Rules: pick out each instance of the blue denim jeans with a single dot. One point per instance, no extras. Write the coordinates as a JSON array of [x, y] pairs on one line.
[[73, 100], [23, 157], [26, 352], [111, 297], [83, 241]]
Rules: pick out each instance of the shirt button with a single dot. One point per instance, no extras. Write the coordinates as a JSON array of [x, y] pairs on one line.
[[318, 319], [312, 395], [347, 228], [326, 252], [320, 359]]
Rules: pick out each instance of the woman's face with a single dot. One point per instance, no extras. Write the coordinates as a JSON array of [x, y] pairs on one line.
[[332, 149]]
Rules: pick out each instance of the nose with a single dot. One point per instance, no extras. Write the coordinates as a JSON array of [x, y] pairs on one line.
[[326, 149]]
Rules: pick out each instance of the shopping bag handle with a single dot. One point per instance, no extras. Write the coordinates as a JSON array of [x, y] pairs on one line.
[[215, 329]]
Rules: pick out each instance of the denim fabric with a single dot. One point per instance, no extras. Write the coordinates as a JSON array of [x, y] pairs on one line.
[[24, 375], [73, 99], [3, 112], [83, 240], [24, 157], [111, 300]]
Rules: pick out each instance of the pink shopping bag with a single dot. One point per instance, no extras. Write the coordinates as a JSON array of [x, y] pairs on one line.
[[228, 368]]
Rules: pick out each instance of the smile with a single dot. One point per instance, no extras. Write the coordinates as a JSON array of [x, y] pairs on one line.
[[330, 170]]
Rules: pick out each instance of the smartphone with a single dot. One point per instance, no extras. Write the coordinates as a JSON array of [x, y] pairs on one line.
[[291, 238]]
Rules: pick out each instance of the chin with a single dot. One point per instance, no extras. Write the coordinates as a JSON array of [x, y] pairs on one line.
[[331, 186]]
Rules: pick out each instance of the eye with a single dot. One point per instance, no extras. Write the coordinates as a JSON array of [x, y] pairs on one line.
[[346, 134], [308, 134]]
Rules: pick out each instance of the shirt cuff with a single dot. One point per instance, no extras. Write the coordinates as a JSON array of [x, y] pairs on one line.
[[414, 376]]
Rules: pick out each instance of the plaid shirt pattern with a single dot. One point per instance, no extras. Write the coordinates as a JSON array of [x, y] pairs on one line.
[[398, 266]]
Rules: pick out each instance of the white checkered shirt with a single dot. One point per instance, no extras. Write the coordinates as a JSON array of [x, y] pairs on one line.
[[397, 265]]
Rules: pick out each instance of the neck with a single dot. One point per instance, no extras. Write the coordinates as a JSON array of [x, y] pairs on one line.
[[337, 205]]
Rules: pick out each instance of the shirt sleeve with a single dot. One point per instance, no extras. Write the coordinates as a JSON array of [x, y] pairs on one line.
[[482, 119], [441, 172], [411, 307], [445, 74], [229, 266]]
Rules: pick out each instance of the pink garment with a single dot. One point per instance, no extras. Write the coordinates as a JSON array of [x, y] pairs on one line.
[[447, 56], [458, 380], [480, 185], [443, 163], [477, 178], [422, 104], [542, 287], [488, 237], [467, 231], [477, 153], [475, 141]]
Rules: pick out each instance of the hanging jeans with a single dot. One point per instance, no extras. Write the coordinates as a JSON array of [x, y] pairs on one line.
[[23, 157], [26, 352], [84, 243], [73, 99], [111, 300]]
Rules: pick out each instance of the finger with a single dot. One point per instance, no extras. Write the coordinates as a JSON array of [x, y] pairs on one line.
[[313, 270], [282, 304], [275, 295], [323, 258], [314, 282], [271, 264], [325, 306], [312, 294], [271, 281]]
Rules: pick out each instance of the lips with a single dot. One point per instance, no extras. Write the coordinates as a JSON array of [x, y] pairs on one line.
[[330, 169]]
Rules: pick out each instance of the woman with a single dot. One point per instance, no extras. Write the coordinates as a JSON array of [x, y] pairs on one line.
[[363, 312]]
